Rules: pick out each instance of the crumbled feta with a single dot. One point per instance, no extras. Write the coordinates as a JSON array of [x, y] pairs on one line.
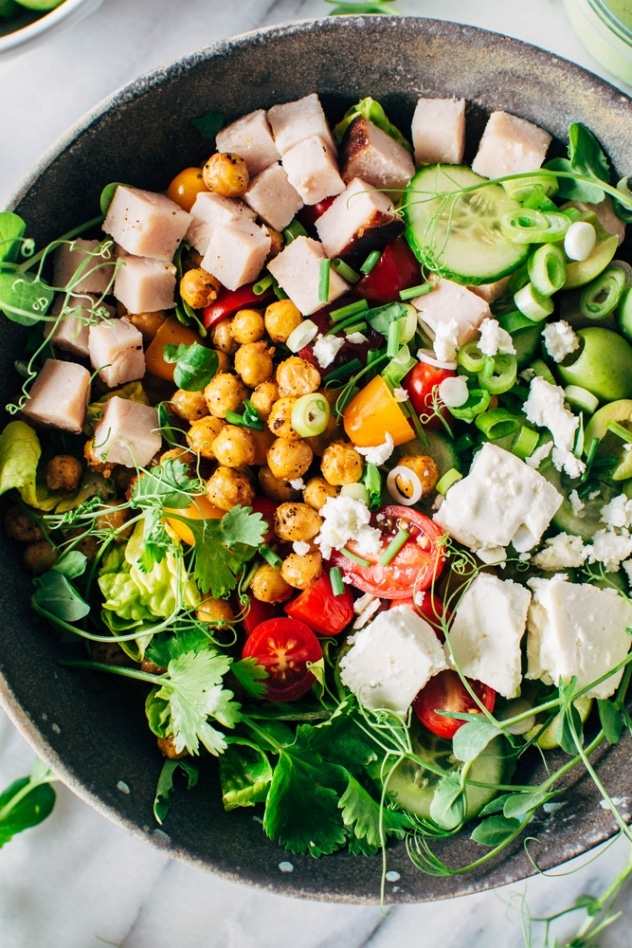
[[494, 339], [617, 513], [391, 659], [610, 549], [400, 395], [446, 340], [379, 453], [545, 408], [357, 338], [560, 340], [326, 349], [297, 484], [540, 454], [301, 548], [344, 519], [577, 504], [562, 551]]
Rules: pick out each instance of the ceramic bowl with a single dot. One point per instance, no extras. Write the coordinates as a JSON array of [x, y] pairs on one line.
[[90, 729], [28, 28]]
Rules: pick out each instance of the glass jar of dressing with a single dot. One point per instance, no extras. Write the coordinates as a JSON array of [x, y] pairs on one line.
[[605, 29]]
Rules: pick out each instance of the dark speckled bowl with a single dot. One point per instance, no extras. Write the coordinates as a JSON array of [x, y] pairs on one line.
[[88, 728]]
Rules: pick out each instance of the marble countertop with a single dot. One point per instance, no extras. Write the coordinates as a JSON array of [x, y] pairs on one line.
[[77, 881]]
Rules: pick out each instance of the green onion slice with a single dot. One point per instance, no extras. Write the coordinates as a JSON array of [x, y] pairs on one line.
[[477, 402], [603, 295], [370, 262], [335, 578], [501, 375], [310, 414], [345, 271], [497, 423], [323, 280], [533, 304], [394, 547], [547, 269], [531, 226], [470, 357]]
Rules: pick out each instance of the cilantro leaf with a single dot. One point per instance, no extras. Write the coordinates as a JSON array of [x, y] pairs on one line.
[[361, 813], [250, 674], [167, 484], [223, 547], [245, 773], [166, 785], [167, 646]]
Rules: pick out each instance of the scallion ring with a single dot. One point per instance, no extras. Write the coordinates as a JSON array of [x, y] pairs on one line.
[[304, 333], [533, 304], [602, 296], [470, 357], [503, 374], [409, 477], [310, 414], [428, 356], [530, 226], [547, 269]]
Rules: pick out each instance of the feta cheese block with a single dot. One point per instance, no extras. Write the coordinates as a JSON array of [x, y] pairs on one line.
[[272, 197], [292, 122], [83, 266], [510, 145], [312, 170], [145, 223], [486, 632], [391, 659], [237, 252], [59, 395], [359, 220], [297, 271], [116, 351], [144, 285], [451, 304], [577, 630], [438, 131], [211, 211], [369, 153], [501, 501], [127, 433], [251, 138]]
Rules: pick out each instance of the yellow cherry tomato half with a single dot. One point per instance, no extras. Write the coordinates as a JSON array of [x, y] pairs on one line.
[[373, 413], [170, 332], [200, 508], [186, 186]]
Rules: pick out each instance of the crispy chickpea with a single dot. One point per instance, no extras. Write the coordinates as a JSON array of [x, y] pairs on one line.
[[222, 337], [226, 174], [296, 377], [114, 519], [317, 492], [253, 362], [275, 487], [426, 470], [289, 460], [38, 557], [20, 526], [281, 319], [234, 446], [167, 747], [296, 521], [225, 392], [202, 434], [215, 612], [268, 585], [280, 419], [191, 406], [198, 287], [341, 464], [247, 326], [63, 472], [227, 487], [264, 397], [301, 571], [147, 324], [277, 241], [181, 454]]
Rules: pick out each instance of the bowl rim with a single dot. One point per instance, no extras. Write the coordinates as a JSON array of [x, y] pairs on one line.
[[47, 24]]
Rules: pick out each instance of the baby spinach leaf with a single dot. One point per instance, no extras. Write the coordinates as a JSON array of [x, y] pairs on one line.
[[195, 365], [26, 802], [12, 229], [56, 598], [611, 720], [24, 298], [495, 831], [208, 125], [107, 194]]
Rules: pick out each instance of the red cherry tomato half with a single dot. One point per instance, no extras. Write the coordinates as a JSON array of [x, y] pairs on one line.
[[430, 608], [396, 270], [284, 647], [317, 606], [229, 301], [421, 384], [417, 563], [446, 692], [257, 612]]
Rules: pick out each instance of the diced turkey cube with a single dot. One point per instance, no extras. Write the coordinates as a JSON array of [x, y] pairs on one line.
[[82, 267], [145, 223], [359, 220], [144, 285], [272, 196], [292, 122], [116, 351], [369, 153], [451, 305], [211, 211], [59, 395], [237, 253], [297, 271], [510, 145], [312, 170], [127, 433], [71, 332], [438, 131], [251, 138], [490, 292]]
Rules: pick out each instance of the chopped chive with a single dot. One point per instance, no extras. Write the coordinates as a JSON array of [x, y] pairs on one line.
[[352, 309], [370, 262], [590, 458], [394, 547], [293, 230], [342, 325], [373, 355], [270, 556], [262, 285], [414, 291], [620, 431], [345, 271], [335, 578], [449, 478], [354, 327], [323, 281], [344, 371], [392, 346], [353, 556]]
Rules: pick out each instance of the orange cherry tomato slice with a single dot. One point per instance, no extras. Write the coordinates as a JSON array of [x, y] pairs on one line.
[[373, 413]]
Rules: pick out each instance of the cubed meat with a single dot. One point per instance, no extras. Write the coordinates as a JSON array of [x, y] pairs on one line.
[[451, 304], [127, 433], [83, 267], [490, 292], [116, 351], [369, 153], [144, 285], [312, 170], [72, 331], [59, 395], [438, 131], [510, 145], [251, 138], [273, 198], [146, 224], [359, 220], [210, 211], [297, 270], [292, 122], [236, 253]]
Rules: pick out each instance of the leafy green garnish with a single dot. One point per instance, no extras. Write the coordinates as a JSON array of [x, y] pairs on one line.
[[195, 365], [373, 112], [223, 547], [245, 773], [55, 596], [24, 297], [166, 786], [208, 125], [12, 229], [585, 158], [361, 6], [26, 802], [107, 195]]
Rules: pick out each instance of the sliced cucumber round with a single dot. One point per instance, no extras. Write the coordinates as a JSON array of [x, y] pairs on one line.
[[582, 521], [439, 446], [457, 234]]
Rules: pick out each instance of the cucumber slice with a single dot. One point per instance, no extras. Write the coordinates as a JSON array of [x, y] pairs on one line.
[[586, 521], [458, 235], [440, 448]]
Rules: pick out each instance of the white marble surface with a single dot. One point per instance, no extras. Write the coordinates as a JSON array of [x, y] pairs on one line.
[[76, 881]]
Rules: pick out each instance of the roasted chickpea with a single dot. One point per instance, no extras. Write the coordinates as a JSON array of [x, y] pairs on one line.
[[181, 454], [280, 419], [199, 288], [226, 174], [234, 446], [202, 434], [113, 519], [147, 324], [296, 521], [227, 487], [289, 460], [341, 464], [215, 612], [275, 487], [277, 241], [301, 571], [317, 492], [191, 406], [167, 747], [20, 526], [296, 377], [222, 337], [247, 326], [264, 397], [268, 585], [63, 472], [225, 392], [253, 362], [38, 557], [426, 470], [281, 319]]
